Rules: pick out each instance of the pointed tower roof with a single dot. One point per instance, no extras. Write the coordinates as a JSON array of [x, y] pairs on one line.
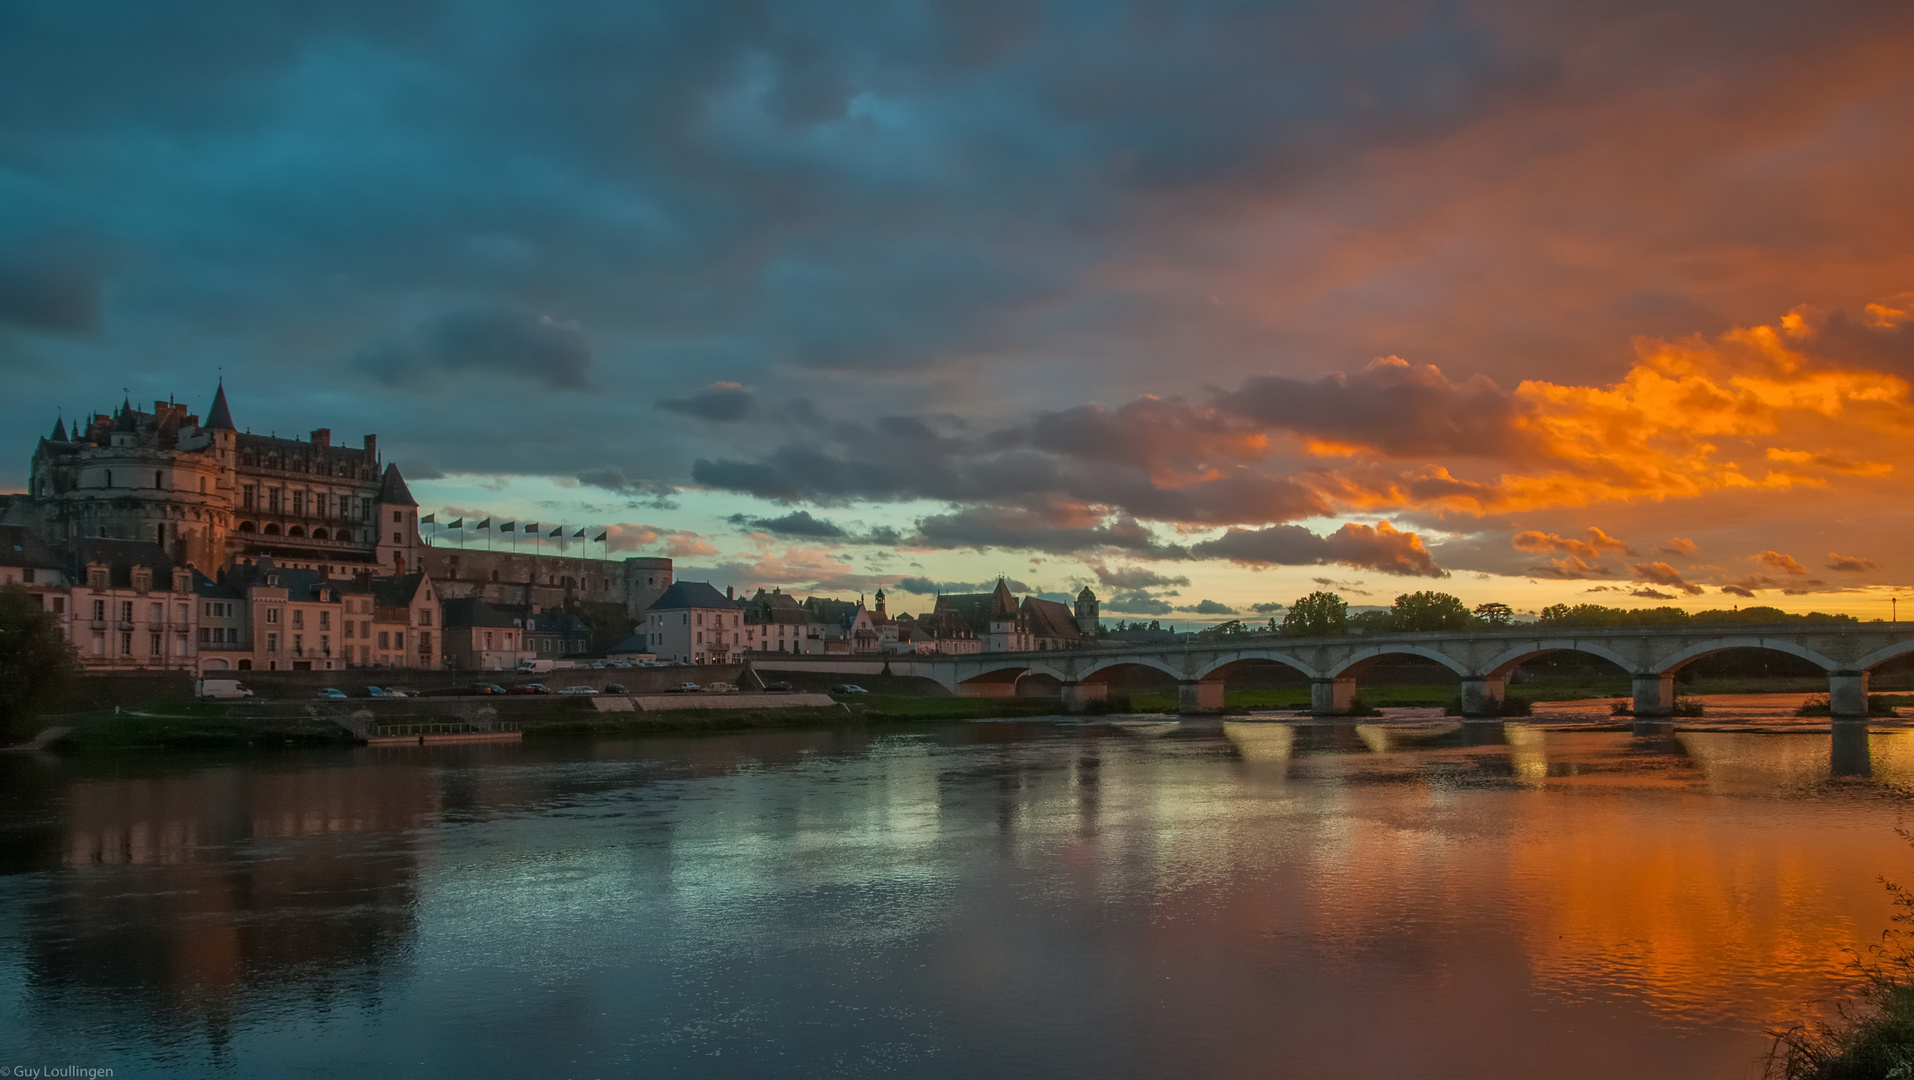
[[59, 430], [1005, 600], [392, 489], [219, 417], [126, 419]]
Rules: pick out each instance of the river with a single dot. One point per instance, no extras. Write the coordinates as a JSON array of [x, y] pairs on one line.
[[1112, 898]]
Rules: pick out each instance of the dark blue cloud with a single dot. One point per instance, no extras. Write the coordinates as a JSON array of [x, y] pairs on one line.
[[386, 216]]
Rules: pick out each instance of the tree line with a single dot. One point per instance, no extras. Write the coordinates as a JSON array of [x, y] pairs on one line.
[[1325, 614]]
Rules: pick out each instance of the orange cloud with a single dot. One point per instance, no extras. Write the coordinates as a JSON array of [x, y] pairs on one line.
[[1786, 564], [1753, 409], [677, 543], [1597, 542], [1660, 573]]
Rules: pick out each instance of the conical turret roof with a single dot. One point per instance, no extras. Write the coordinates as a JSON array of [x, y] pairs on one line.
[[219, 417], [59, 430], [392, 489]]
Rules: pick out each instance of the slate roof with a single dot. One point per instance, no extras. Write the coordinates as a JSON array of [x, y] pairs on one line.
[[120, 557], [299, 584], [219, 417], [468, 611], [21, 546], [395, 592], [685, 595], [636, 643], [392, 489], [1049, 619]]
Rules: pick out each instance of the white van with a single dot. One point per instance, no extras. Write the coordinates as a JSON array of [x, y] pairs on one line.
[[220, 688]]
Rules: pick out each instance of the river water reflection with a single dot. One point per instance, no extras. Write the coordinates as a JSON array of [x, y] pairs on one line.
[[1117, 898]]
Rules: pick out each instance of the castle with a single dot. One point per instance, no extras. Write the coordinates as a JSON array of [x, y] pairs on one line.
[[166, 542], [210, 495]]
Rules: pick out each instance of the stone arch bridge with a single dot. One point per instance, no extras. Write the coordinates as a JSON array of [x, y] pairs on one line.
[[1483, 660]]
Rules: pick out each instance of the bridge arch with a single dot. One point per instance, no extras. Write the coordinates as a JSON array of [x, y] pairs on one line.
[[1668, 665], [1226, 666], [1883, 654], [1367, 653], [1002, 680], [1105, 670], [1506, 662]]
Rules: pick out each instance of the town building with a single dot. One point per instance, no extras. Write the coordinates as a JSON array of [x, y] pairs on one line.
[[264, 617], [129, 607], [694, 623], [480, 637]]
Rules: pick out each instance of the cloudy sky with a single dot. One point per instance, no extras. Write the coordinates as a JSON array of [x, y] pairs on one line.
[[1199, 303]]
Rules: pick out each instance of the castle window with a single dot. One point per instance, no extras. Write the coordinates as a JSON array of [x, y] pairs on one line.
[[395, 517], [246, 496], [109, 483], [247, 526], [296, 530], [319, 533], [202, 485], [272, 529], [159, 534], [156, 479]]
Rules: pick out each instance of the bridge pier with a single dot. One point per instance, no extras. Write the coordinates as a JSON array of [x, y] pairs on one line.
[[1654, 695], [1847, 693], [1483, 697], [1848, 753], [1197, 698], [1332, 697], [1080, 696]]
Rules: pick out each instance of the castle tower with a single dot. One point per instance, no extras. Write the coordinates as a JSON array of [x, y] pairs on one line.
[[396, 519], [880, 604], [1088, 619]]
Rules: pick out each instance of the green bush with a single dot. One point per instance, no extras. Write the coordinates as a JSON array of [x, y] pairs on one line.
[[1874, 1033], [37, 665]]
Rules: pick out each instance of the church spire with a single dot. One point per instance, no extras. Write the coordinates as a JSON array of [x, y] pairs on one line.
[[59, 430], [219, 417]]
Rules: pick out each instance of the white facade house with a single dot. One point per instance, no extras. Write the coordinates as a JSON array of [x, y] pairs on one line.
[[694, 623]]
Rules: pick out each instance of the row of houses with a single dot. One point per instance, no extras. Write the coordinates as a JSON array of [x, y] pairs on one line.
[[694, 623], [126, 605]]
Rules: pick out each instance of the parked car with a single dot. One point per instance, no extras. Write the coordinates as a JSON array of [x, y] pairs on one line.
[[578, 691], [685, 688], [848, 688], [779, 687], [530, 688], [332, 693], [616, 688], [488, 688], [382, 692], [718, 686]]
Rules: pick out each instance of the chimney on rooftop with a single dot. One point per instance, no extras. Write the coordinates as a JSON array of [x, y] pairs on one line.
[[372, 446], [322, 436], [727, 593]]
